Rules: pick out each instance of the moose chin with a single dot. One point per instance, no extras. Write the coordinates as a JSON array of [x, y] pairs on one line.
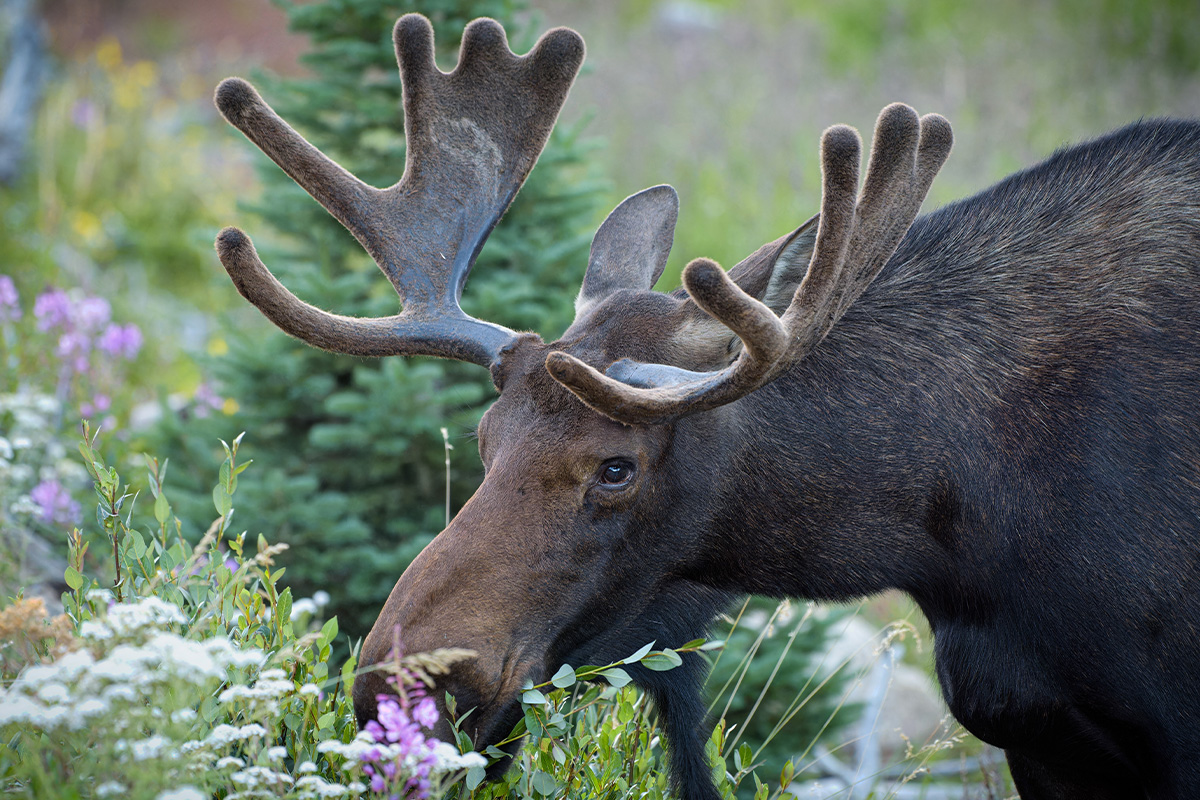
[[994, 408]]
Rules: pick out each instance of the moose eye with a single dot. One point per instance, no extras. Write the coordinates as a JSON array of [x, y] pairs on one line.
[[616, 473]]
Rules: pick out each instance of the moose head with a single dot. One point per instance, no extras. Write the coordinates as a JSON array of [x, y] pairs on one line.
[[604, 520]]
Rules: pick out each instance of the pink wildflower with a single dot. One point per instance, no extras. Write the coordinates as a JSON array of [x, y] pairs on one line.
[[92, 313], [52, 309], [123, 340], [55, 503], [10, 301]]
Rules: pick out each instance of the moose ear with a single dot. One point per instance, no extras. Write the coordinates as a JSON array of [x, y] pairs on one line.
[[790, 266], [771, 275], [630, 249]]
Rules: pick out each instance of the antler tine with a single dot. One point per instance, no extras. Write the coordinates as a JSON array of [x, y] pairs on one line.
[[473, 136], [855, 239], [461, 338], [343, 195], [906, 154]]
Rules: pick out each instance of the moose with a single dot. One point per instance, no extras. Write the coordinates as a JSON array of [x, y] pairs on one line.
[[994, 408]]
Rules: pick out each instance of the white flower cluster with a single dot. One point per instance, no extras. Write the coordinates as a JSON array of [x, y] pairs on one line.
[[142, 683], [224, 735], [80, 687], [127, 619], [309, 606], [182, 793], [30, 451], [313, 786], [264, 696]]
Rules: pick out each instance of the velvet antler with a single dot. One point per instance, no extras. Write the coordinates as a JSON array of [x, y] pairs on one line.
[[473, 136], [855, 238]]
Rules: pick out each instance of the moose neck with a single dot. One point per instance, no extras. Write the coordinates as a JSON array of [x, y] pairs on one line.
[[854, 469]]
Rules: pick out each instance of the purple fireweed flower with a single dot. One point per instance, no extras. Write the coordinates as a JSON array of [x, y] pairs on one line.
[[10, 308], [73, 349], [122, 340], [99, 404], [52, 309], [55, 503], [73, 343], [92, 313], [426, 713], [399, 720]]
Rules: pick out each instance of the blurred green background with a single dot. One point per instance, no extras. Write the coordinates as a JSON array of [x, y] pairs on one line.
[[127, 172]]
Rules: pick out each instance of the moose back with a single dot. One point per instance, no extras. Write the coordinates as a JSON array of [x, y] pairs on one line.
[[994, 408]]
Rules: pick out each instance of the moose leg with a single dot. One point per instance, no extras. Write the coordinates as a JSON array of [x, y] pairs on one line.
[[1035, 780]]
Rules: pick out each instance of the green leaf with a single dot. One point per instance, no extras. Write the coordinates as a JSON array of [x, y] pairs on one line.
[[221, 500], [544, 783], [533, 697], [786, 775], [283, 606], [475, 777], [162, 509], [533, 724], [662, 660], [73, 578], [136, 543], [692, 645], [348, 670], [639, 655], [744, 757], [564, 677], [616, 677], [329, 631], [716, 644]]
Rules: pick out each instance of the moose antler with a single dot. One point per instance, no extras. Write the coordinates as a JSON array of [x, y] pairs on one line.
[[855, 238], [473, 136]]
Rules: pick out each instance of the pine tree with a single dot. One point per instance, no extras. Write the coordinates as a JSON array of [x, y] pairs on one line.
[[350, 459]]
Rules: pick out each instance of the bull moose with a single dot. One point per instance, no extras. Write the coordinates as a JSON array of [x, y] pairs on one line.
[[993, 408]]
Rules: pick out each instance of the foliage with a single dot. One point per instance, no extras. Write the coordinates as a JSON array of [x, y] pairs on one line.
[[108, 124], [591, 741], [187, 667], [68, 346], [356, 477], [772, 686], [62, 357]]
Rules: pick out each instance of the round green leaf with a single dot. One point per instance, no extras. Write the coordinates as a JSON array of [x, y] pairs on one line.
[[662, 660], [564, 677], [533, 697], [544, 783], [616, 677], [73, 578]]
